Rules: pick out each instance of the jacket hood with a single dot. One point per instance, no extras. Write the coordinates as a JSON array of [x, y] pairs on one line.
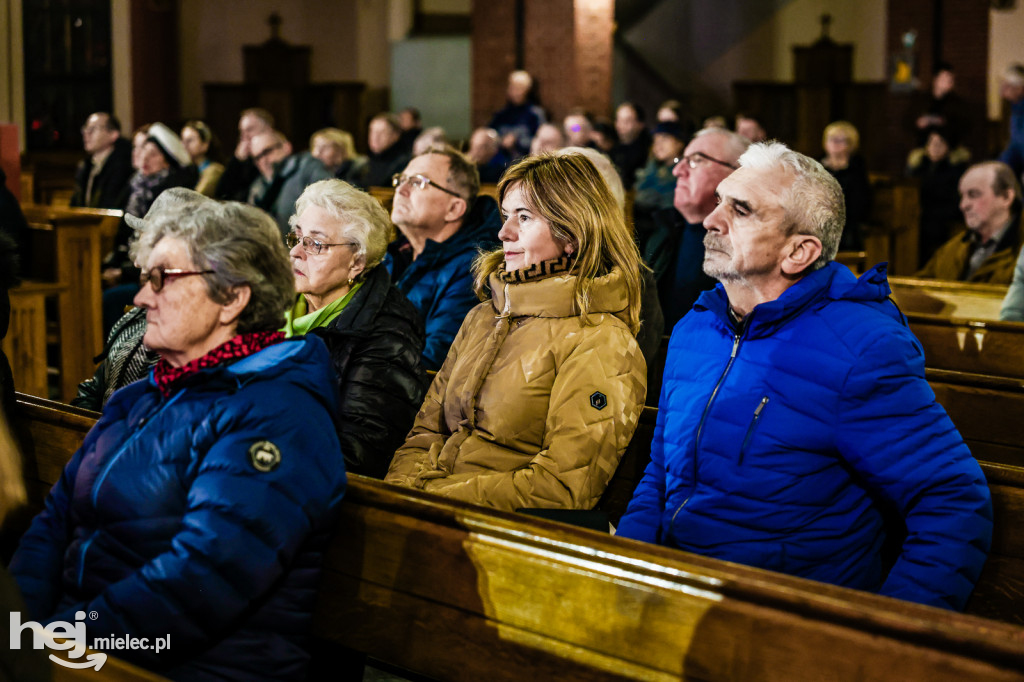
[[552, 297], [834, 282]]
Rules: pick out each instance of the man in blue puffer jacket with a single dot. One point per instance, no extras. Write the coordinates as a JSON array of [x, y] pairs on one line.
[[794, 412]]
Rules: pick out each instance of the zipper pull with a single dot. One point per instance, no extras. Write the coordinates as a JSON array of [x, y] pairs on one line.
[[757, 412], [735, 345]]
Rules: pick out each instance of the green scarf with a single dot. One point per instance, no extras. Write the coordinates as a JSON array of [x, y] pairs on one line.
[[298, 322]]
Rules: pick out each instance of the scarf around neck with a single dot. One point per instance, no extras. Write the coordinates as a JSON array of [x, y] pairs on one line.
[[532, 273], [167, 377], [298, 321]]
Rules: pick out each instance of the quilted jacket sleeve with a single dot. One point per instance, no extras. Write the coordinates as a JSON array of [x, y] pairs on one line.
[[429, 431], [381, 391], [239, 533], [595, 405], [904, 446]]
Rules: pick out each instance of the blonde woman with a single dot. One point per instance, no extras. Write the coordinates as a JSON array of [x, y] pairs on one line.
[[542, 388], [841, 142], [337, 152]]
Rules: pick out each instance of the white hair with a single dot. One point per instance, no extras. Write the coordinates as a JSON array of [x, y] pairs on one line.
[[604, 166], [813, 202], [735, 144]]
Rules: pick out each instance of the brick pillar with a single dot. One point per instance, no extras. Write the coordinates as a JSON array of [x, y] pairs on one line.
[[568, 51]]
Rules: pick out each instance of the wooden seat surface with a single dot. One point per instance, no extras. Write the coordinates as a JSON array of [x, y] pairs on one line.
[[456, 592]]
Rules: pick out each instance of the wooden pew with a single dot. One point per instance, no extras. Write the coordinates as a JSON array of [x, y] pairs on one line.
[[452, 591], [25, 343], [73, 240], [949, 299], [967, 345]]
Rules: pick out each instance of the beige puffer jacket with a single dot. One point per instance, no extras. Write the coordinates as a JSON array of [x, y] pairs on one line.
[[530, 409]]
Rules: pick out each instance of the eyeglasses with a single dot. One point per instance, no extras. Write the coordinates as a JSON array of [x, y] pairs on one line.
[[158, 277], [420, 182], [269, 150], [310, 245], [697, 158]]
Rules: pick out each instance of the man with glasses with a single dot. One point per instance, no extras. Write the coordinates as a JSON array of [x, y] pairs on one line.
[[675, 247], [443, 224], [283, 177], [101, 180]]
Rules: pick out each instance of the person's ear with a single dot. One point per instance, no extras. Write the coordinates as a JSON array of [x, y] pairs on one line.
[[357, 269], [801, 251], [230, 311], [457, 208], [570, 249]]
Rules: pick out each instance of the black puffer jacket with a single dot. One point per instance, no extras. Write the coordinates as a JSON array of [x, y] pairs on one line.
[[375, 344]]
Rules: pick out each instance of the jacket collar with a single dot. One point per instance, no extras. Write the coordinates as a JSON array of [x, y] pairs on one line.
[[478, 231], [834, 282], [364, 306], [552, 297]]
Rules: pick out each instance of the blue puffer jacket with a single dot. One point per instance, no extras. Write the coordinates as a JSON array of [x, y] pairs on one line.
[[778, 446], [166, 523], [440, 284]]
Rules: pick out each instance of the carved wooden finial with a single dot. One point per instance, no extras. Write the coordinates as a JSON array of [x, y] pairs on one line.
[[826, 22], [275, 21]]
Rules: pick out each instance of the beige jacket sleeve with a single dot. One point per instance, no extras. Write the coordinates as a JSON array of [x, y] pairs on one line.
[[596, 400]]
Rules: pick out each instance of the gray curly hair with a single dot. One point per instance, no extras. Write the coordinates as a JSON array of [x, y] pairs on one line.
[[243, 247]]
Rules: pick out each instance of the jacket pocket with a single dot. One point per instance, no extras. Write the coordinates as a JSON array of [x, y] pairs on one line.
[[758, 411]]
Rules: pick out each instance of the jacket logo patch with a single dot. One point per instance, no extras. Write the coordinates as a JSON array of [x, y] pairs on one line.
[[264, 456], [598, 400]]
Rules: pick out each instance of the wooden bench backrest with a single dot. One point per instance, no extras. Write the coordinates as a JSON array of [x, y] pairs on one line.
[[979, 347], [949, 299]]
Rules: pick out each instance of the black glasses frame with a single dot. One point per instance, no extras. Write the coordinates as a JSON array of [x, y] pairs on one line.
[[420, 182], [311, 246], [690, 160]]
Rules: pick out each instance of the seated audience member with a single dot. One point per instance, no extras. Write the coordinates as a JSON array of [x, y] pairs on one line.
[[283, 176], [750, 128], [139, 137], [795, 417], [518, 120], [630, 154], [652, 321], [987, 251], [163, 163], [125, 359], [429, 138], [655, 184], [101, 179], [204, 149], [549, 138], [604, 138], [938, 107], [486, 152], [938, 166], [386, 154], [675, 248], [671, 111], [715, 122], [841, 159], [15, 226], [375, 337], [241, 170], [411, 123], [1013, 305], [337, 152], [1012, 90], [543, 387], [579, 129], [199, 505], [444, 224]]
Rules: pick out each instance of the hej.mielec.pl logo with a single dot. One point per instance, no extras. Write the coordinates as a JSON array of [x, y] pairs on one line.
[[71, 637]]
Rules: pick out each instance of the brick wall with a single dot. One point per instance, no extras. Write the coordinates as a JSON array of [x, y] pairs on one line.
[[568, 51]]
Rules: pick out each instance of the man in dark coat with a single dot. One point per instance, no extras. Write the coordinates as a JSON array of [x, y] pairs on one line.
[[387, 156], [101, 180], [444, 224]]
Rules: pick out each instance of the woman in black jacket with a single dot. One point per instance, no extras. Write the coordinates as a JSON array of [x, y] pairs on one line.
[[339, 237]]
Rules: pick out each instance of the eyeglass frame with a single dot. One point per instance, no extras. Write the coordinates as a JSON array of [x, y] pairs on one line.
[[292, 240], [689, 159], [166, 276], [266, 152], [399, 179]]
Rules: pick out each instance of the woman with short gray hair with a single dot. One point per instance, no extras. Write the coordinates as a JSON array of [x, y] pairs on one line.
[[339, 238], [198, 507]]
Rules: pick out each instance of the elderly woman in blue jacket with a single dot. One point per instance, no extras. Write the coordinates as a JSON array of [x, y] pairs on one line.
[[198, 506]]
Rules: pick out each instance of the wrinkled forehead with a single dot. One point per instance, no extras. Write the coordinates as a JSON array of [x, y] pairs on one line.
[[980, 179], [762, 188], [711, 144], [434, 166]]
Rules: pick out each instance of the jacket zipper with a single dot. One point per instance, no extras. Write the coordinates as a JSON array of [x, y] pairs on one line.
[[703, 418], [106, 470], [752, 427]]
